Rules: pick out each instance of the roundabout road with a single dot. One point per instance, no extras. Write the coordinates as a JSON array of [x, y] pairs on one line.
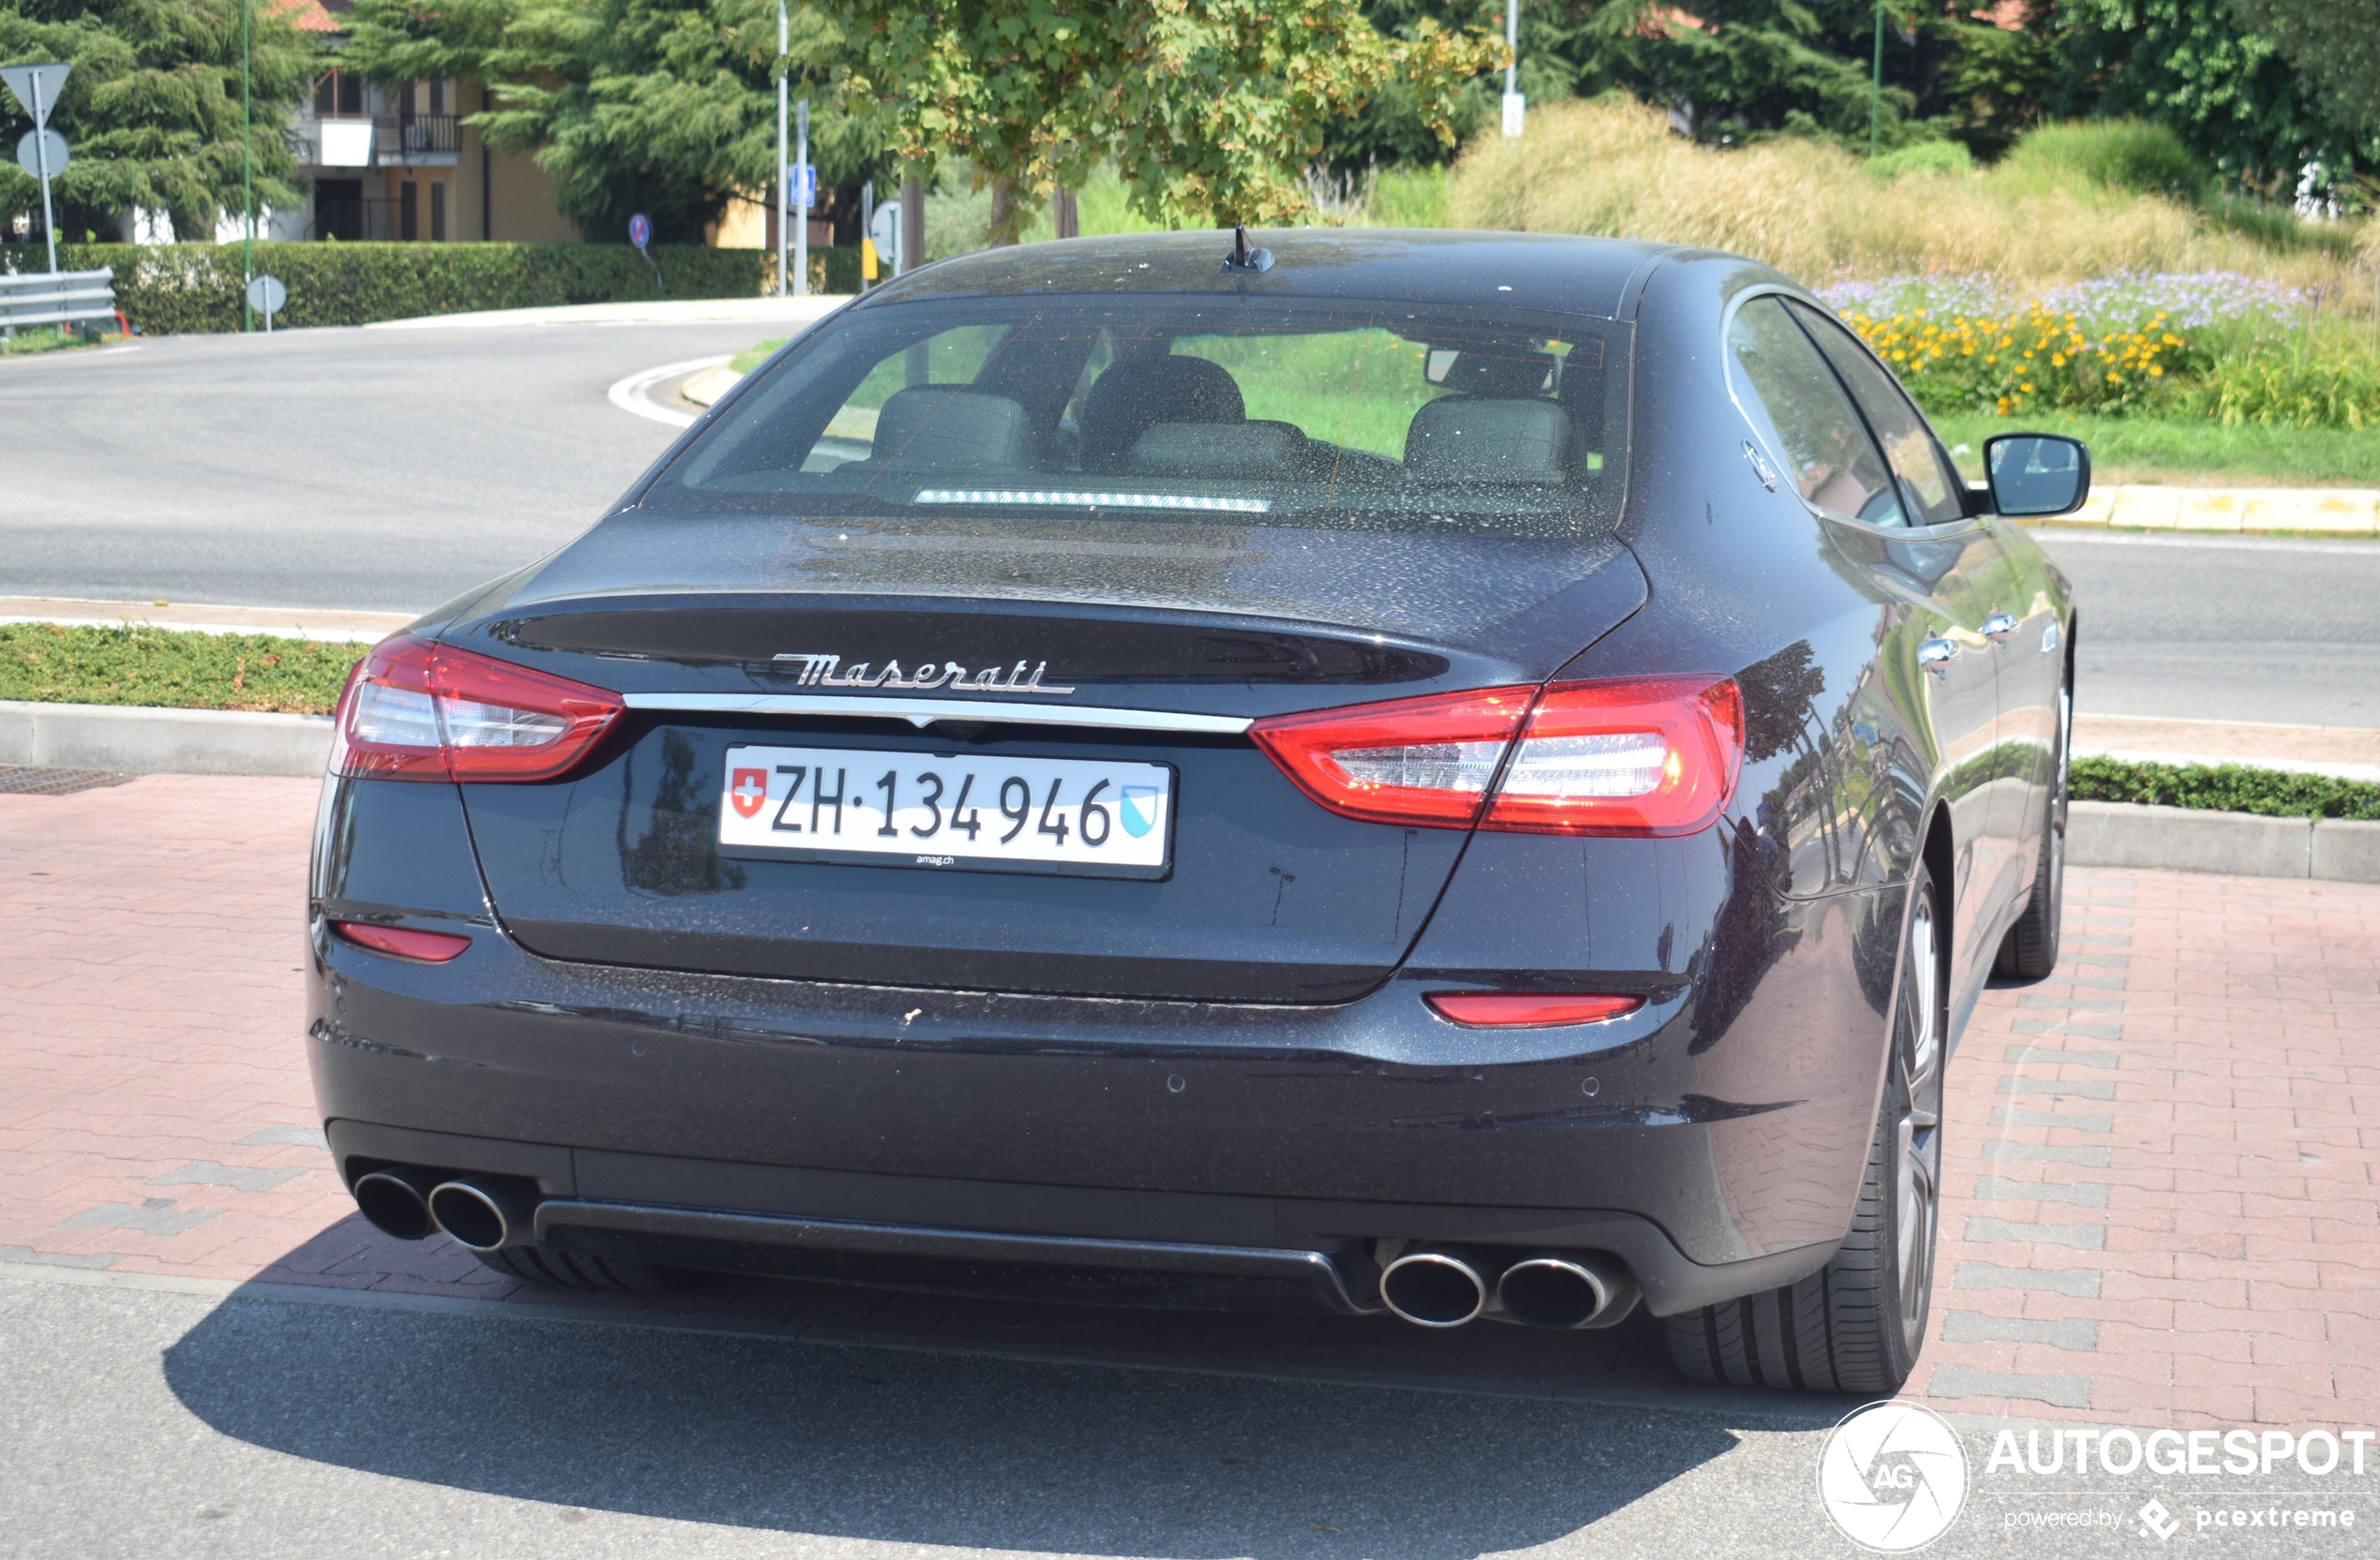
[[389, 470], [350, 468]]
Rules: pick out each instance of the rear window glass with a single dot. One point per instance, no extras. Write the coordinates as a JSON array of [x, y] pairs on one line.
[[1384, 417]]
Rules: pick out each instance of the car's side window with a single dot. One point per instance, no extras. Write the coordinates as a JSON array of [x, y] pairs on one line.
[[1929, 486], [1801, 411]]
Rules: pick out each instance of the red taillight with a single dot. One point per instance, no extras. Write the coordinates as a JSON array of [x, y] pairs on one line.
[[1425, 760], [431, 947], [1524, 1010], [414, 710], [1631, 756], [1635, 756]]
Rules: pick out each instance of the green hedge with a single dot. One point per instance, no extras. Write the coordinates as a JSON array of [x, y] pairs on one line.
[[182, 289], [135, 664], [2223, 788]]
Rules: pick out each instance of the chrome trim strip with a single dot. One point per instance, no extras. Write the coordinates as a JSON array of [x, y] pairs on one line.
[[925, 712]]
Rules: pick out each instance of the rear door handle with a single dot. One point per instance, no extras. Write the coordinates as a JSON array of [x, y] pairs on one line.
[[1998, 627], [1935, 656]]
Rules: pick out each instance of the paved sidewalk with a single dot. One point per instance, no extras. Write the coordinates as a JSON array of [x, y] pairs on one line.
[[2162, 1206]]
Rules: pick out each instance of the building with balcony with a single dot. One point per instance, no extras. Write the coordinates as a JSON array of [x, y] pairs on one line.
[[398, 164]]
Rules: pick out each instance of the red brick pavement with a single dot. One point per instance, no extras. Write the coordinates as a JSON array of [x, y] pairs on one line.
[[2160, 1193]]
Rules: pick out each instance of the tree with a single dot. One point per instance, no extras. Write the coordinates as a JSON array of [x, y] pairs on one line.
[[1213, 109], [667, 107], [152, 108], [2334, 45]]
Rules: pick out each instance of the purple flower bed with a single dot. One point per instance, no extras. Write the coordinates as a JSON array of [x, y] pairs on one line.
[[2191, 300]]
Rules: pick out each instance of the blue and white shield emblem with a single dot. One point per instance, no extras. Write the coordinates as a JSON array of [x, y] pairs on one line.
[[1138, 807]]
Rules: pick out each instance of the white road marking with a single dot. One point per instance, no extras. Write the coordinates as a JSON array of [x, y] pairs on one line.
[[628, 394]]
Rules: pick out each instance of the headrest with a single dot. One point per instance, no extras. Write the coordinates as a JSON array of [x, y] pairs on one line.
[[1132, 397], [947, 426], [1270, 450], [1464, 438], [1496, 371]]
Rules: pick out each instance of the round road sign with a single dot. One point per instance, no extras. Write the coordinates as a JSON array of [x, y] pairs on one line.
[[640, 230], [266, 295], [31, 162]]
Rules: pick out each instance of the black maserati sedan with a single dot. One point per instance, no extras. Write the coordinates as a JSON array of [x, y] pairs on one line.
[[1469, 776]]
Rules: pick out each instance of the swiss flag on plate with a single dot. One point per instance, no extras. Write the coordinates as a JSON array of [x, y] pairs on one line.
[[748, 789]]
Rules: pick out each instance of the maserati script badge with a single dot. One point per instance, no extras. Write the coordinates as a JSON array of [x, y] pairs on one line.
[[829, 671]]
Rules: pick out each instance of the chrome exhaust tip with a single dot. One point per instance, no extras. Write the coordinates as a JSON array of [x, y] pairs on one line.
[[485, 1215], [1435, 1287], [395, 1201], [1568, 1289]]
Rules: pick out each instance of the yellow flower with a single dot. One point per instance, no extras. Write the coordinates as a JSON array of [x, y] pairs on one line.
[[2156, 372]]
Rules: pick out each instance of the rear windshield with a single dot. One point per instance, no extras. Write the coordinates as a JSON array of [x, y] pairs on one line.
[[1259, 410]]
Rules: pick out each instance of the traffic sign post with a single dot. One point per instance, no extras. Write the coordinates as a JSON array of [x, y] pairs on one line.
[[266, 295], [36, 87], [884, 230], [640, 233], [805, 195]]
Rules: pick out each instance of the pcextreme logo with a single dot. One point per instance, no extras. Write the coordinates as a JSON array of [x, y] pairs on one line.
[[1892, 1476]]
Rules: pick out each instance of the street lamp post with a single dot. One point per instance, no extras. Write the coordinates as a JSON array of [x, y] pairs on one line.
[[1876, 81], [784, 190], [248, 182], [1515, 105]]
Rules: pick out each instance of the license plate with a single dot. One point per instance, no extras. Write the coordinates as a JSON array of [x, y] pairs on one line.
[[1079, 817]]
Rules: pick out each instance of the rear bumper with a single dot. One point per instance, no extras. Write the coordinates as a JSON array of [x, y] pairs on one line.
[[1066, 1244]]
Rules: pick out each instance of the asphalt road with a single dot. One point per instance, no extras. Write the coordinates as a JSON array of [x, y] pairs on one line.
[[2226, 627], [390, 469], [367, 469], [140, 1422]]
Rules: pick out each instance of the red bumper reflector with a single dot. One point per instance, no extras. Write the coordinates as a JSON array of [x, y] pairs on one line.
[[430, 948], [1527, 1010]]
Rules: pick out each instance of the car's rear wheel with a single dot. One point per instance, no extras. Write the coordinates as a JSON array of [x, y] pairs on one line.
[[2030, 951], [1856, 1324], [574, 1270]]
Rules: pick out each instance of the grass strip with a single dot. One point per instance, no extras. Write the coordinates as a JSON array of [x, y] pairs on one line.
[[2193, 451], [133, 664], [2223, 788], [753, 356]]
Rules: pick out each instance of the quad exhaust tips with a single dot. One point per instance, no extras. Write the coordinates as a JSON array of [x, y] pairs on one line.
[[1443, 1286], [484, 1214], [1568, 1289]]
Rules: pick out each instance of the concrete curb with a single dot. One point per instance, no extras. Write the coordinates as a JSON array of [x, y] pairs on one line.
[[136, 740], [2234, 844]]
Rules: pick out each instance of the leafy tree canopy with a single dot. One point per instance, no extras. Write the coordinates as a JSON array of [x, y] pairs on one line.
[[1211, 108], [2226, 90], [667, 107], [152, 108], [2333, 44]]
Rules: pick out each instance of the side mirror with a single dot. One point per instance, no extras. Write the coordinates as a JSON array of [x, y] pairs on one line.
[[2036, 474]]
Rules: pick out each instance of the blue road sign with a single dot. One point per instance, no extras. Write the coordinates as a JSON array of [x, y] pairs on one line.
[[640, 230]]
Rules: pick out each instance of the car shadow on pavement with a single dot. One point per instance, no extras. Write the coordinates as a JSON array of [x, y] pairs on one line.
[[952, 1447]]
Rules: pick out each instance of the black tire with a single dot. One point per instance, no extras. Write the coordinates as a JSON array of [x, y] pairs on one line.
[[574, 1270], [2030, 951], [1856, 1324]]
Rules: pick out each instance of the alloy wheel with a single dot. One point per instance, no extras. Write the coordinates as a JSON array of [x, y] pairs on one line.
[[1918, 1193]]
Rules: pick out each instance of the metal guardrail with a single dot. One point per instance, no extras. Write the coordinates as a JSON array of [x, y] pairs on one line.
[[63, 298]]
